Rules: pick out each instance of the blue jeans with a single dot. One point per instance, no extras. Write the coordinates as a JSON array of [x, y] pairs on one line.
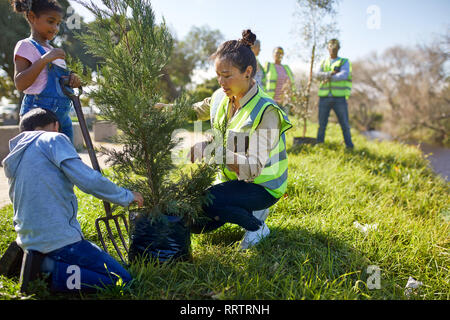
[[234, 202], [60, 107], [86, 259], [340, 107]]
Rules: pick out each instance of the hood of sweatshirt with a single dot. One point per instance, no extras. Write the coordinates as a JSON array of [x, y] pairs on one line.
[[17, 147]]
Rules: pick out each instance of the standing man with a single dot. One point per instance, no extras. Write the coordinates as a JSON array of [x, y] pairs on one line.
[[260, 73], [335, 77]]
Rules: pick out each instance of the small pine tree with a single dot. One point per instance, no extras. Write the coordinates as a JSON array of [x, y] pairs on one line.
[[134, 50]]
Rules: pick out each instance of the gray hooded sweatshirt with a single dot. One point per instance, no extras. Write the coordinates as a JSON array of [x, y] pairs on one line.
[[42, 169]]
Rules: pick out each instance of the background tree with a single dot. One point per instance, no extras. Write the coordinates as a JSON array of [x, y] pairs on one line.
[[204, 89], [315, 25], [410, 87], [189, 54]]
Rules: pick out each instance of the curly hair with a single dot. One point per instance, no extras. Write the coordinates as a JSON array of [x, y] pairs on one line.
[[35, 6]]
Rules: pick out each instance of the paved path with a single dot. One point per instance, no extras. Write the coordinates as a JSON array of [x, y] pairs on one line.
[[190, 138]]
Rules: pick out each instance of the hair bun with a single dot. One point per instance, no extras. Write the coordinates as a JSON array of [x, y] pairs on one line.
[[248, 38], [22, 5]]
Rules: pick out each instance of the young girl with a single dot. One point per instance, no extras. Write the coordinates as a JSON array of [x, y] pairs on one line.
[[39, 66]]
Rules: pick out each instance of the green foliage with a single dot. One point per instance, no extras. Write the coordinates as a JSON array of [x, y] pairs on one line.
[[204, 90], [7, 89], [188, 54], [135, 51]]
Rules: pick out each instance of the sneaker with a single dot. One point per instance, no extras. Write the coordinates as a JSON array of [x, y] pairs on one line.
[[11, 261], [253, 237]]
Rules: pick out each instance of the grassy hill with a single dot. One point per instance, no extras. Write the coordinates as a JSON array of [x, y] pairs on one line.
[[315, 249]]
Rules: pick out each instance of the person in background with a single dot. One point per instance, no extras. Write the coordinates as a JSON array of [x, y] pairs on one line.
[[260, 73], [278, 77], [335, 75]]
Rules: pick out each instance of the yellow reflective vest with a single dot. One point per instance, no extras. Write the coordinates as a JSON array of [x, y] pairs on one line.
[[271, 77], [337, 88]]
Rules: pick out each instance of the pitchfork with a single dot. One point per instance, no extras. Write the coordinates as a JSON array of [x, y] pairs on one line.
[[90, 148]]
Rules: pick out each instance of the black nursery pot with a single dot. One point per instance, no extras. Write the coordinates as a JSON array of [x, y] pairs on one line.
[[304, 140], [166, 238]]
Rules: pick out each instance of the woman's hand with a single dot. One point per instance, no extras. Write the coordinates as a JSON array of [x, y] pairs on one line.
[[234, 167]]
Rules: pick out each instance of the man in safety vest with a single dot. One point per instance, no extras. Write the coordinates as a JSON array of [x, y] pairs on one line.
[[276, 76], [335, 77]]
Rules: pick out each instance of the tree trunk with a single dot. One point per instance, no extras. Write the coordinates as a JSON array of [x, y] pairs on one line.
[[173, 92], [308, 87]]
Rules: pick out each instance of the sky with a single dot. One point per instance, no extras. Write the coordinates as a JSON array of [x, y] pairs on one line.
[[365, 25]]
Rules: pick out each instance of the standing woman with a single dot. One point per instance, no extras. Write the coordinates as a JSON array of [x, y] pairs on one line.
[[277, 75], [256, 177]]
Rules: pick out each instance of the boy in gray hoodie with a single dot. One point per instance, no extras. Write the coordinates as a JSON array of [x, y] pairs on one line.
[[42, 169]]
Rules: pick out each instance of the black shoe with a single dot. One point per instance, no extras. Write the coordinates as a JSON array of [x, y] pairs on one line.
[[11, 261]]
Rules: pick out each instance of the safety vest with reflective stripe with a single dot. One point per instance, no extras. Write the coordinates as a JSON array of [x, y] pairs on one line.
[[337, 88], [274, 175], [271, 77]]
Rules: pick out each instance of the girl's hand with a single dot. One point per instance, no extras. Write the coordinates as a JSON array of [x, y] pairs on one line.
[[53, 54], [74, 81]]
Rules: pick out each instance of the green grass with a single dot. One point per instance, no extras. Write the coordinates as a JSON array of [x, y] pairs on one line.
[[314, 250]]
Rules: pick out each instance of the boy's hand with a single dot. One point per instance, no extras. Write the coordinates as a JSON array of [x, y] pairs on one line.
[[53, 54], [138, 199]]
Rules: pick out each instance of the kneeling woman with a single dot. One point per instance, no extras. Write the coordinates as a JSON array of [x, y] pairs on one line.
[[256, 177]]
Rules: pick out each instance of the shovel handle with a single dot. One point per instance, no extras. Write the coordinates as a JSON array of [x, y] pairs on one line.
[[84, 130]]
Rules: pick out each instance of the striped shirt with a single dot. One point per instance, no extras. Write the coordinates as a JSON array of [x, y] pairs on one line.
[[281, 80]]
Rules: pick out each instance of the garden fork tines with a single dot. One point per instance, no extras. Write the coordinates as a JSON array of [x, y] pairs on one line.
[[106, 221], [87, 139]]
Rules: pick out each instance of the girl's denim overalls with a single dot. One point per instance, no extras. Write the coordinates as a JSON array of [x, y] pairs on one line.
[[51, 98]]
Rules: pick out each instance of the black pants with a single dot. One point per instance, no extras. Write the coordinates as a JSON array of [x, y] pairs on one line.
[[234, 202]]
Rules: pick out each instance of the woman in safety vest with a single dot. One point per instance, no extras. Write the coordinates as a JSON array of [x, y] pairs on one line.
[[255, 171], [255, 175], [278, 76]]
